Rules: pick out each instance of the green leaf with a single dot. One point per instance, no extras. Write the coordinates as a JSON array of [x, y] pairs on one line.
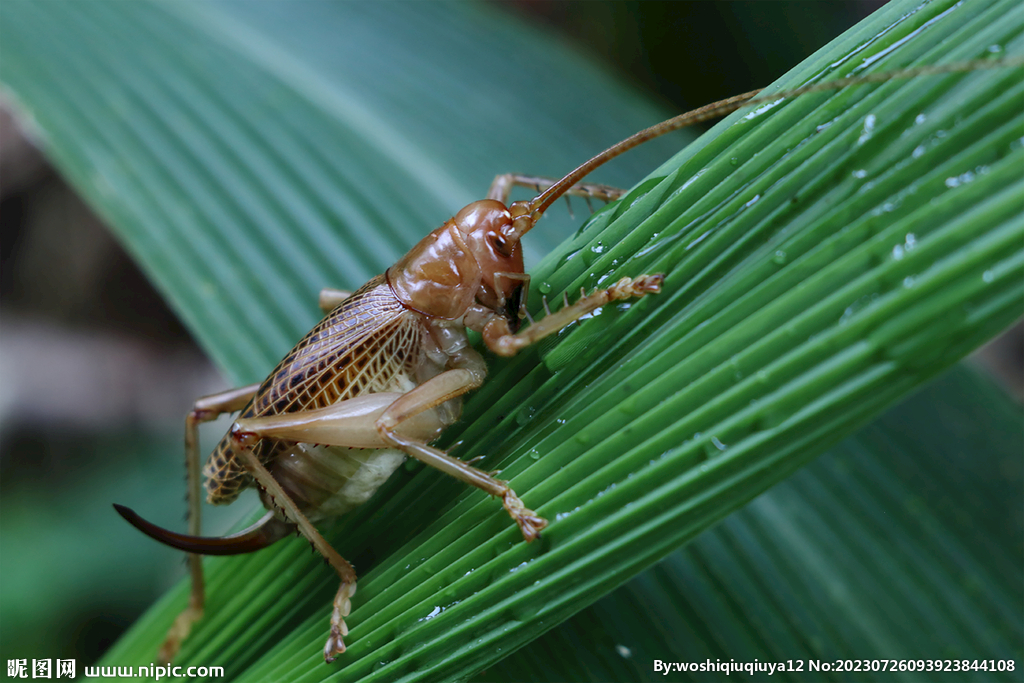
[[823, 257], [912, 520]]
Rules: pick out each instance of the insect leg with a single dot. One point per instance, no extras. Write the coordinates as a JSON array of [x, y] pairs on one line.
[[434, 392], [330, 298], [404, 421], [350, 423], [343, 599], [501, 341], [203, 410], [503, 184]]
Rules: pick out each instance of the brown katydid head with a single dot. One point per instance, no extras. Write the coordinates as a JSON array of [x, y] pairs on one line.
[[475, 258], [484, 226], [442, 275]]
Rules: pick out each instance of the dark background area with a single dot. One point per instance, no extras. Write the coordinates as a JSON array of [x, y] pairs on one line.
[[94, 367]]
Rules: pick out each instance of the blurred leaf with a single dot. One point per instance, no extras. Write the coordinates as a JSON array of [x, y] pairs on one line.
[[56, 505], [822, 256]]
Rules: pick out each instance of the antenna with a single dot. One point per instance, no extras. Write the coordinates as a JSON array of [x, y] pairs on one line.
[[526, 214]]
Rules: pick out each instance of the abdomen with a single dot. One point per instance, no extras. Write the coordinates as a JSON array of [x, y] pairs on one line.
[[328, 481]]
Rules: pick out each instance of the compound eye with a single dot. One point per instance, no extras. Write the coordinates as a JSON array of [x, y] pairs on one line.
[[501, 244]]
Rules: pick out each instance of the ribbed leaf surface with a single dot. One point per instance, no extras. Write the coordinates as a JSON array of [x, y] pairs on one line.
[[915, 520], [823, 256]]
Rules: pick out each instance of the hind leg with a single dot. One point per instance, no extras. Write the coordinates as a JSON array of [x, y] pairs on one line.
[[203, 410], [343, 599]]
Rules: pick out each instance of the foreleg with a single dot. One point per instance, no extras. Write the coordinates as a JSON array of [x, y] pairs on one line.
[[499, 338]]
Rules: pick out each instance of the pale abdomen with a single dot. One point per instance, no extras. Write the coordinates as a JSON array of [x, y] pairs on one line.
[[328, 481]]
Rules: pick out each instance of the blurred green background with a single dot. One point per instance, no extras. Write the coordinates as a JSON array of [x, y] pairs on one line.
[[93, 394]]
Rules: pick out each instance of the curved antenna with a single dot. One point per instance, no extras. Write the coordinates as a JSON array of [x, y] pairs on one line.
[[260, 535], [526, 214]]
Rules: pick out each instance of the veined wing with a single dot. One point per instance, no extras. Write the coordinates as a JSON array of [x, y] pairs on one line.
[[361, 347]]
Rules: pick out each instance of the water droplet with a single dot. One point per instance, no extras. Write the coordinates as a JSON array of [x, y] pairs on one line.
[[525, 414], [856, 306], [911, 241], [568, 257], [897, 252], [718, 444], [563, 515], [737, 371], [544, 288], [961, 179], [697, 241], [752, 201], [780, 257], [909, 281], [711, 450], [762, 109], [623, 651], [860, 173], [918, 152], [919, 119], [869, 129], [591, 254], [988, 276], [995, 49], [734, 161]]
